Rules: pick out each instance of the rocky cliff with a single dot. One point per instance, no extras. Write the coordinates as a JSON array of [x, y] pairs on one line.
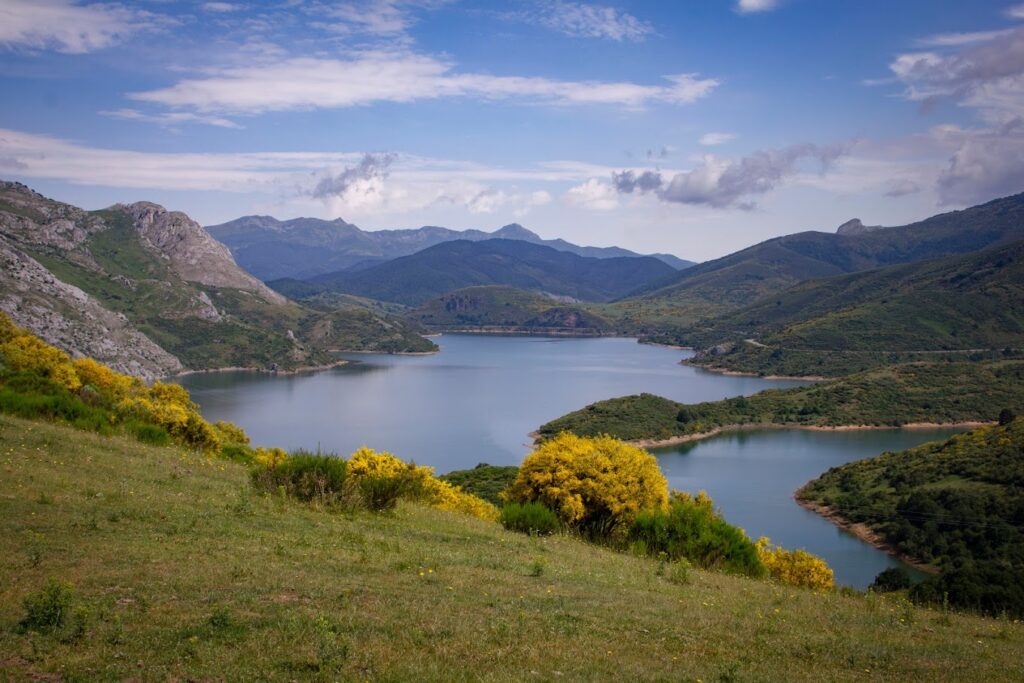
[[150, 292]]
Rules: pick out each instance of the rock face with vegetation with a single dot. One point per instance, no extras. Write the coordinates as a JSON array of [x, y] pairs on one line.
[[149, 292]]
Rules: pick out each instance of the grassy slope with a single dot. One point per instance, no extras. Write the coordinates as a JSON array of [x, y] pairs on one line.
[[158, 542], [843, 323], [900, 394]]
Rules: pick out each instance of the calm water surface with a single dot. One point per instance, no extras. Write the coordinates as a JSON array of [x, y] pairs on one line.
[[478, 398]]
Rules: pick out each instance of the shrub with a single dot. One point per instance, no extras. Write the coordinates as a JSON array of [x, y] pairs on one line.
[[691, 528], [304, 476], [595, 485], [529, 518], [48, 610], [382, 478], [891, 579], [795, 567], [444, 496], [680, 572], [230, 433]]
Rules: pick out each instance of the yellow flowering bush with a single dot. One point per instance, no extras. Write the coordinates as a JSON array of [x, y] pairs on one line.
[[795, 567], [269, 457], [231, 433], [26, 353], [109, 384], [444, 496], [592, 483]]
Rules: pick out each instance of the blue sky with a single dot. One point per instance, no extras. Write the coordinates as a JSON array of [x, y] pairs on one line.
[[695, 128]]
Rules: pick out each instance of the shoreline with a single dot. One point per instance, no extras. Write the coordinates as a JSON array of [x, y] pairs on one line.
[[527, 332], [750, 427], [741, 373], [242, 368], [860, 531]]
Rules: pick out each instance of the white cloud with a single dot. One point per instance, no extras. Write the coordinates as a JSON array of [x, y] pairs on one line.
[[346, 183], [308, 83], [375, 17], [593, 21], [170, 119], [712, 139], [1016, 12], [593, 194], [67, 26], [751, 6], [222, 7], [959, 39]]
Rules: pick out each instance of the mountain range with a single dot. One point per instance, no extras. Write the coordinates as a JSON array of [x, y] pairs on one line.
[[149, 292], [449, 266], [303, 248], [731, 282]]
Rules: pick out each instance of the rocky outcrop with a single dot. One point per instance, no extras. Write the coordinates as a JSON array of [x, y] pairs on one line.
[[67, 317], [191, 252], [855, 227]]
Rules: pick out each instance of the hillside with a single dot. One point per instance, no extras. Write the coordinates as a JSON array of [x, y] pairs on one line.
[[850, 322], [179, 572], [444, 268], [947, 393], [304, 248], [723, 285], [957, 506], [151, 293], [497, 308]]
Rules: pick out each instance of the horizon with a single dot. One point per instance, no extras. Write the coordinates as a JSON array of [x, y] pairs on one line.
[[694, 130]]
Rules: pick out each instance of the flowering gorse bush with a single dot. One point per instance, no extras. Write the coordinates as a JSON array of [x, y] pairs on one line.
[[595, 485], [795, 567]]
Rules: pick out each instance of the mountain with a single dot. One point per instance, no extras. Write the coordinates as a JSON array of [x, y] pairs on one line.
[[446, 267], [303, 248], [498, 308], [854, 226], [728, 283], [149, 292], [968, 303]]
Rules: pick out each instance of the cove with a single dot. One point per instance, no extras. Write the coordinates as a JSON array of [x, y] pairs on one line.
[[477, 400]]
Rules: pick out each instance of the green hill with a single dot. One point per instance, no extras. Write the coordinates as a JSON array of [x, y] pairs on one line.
[[956, 505], [499, 308], [726, 284], [179, 572], [447, 267], [851, 322], [885, 397]]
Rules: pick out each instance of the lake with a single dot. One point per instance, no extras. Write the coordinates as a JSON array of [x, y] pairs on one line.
[[478, 398]]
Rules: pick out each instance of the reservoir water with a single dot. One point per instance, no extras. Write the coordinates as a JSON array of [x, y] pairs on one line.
[[478, 398]]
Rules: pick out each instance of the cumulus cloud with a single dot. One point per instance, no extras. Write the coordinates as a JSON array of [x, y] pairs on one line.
[[307, 83], [987, 163], [751, 6], [712, 139], [985, 74], [69, 27], [357, 187], [591, 21], [593, 194], [628, 181], [721, 183]]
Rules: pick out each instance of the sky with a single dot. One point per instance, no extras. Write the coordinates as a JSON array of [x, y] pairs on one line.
[[693, 127]]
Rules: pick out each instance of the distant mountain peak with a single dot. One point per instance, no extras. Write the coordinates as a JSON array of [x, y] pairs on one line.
[[514, 231], [855, 227]]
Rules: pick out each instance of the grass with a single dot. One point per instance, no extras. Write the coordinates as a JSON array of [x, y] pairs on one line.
[[179, 572]]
